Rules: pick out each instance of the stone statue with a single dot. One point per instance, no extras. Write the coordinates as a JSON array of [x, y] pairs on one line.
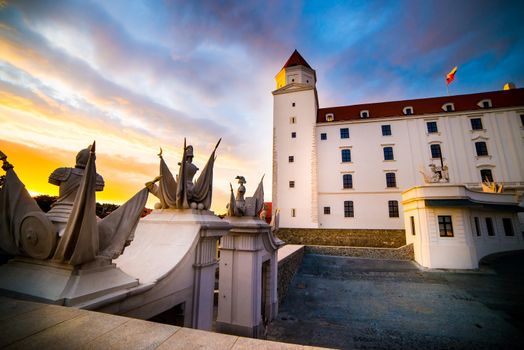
[[492, 186], [251, 206], [438, 174], [183, 192], [190, 170], [68, 180], [71, 233]]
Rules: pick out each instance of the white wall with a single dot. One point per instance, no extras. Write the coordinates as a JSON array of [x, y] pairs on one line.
[[502, 132], [465, 249], [303, 197]]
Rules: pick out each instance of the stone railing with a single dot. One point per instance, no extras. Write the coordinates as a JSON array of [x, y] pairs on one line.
[[341, 237], [289, 260], [402, 253]]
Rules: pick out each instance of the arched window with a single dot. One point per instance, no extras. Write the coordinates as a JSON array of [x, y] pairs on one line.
[[391, 180], [347, 181], [346, 155], [435, 151], [481, 148], [388, 153]]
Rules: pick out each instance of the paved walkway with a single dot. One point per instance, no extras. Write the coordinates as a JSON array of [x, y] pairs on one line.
[[353, 303], [28, 325]]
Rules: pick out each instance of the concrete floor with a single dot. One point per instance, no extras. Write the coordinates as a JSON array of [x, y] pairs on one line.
[[353, 303]]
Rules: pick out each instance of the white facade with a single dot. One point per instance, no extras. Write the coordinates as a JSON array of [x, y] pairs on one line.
[[467, 214], [318, 196], [294, 135]]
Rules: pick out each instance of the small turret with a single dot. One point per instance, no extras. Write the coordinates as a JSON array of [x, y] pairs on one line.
[[296, 71]]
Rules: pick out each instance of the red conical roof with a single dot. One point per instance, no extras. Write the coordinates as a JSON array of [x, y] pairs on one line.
[[296, 60]]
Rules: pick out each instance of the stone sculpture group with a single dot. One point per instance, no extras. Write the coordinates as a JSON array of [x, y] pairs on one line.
[[70, 233]]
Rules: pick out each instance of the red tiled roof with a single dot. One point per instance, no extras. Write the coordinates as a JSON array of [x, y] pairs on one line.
[[462, 103], [296, 60]]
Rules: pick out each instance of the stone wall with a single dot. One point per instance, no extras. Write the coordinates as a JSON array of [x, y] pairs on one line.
[[340, 237], [287, 268], [402, 253]]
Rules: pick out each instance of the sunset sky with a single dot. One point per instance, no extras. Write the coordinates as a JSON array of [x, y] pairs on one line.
[[139, 75]]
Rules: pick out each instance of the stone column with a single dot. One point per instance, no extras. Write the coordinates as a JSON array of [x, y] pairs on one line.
[[205, 266], [243, 252]]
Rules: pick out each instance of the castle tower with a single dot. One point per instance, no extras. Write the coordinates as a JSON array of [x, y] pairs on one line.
[[295, 106]]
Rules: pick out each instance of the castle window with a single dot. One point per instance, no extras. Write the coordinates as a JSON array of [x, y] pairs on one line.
[[477, 226], [448, 107], [291, 184], [476, 123], [293, 104], [393, 209], [346, 155], [364, 114], [412, 220], [348, 209], [485, 103], [445, 226], [408, 110], [432, 127], [386, 130], [486, 175], [522, 120], [323, 136], [292, 120], [489, 226], [293, 135], [388, 153], [330, 117], [435, 151], [347, 181], [344, 133], [508, 227], [293, 212], [481, 148], [327, 210], [291, 159], [391, 180]]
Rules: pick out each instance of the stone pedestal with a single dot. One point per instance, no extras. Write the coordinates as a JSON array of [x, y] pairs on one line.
[[247, 297], [175, 250], [61, 284]]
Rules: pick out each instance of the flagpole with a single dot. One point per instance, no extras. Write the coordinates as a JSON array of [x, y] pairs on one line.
[[447, 88]]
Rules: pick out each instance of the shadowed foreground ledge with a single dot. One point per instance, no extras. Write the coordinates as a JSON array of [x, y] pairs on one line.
[[29, 325]]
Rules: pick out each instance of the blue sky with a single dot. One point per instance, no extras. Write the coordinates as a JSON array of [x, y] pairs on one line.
[[139, 75]]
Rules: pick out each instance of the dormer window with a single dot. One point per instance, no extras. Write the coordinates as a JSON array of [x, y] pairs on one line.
[[330, 117], [408, 110], [485, 103], [448, 107], [364, 114]]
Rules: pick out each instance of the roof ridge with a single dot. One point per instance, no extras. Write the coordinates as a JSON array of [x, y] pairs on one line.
[[296, 59]]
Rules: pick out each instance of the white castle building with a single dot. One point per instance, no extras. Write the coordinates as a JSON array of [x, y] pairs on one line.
[[346, 167]]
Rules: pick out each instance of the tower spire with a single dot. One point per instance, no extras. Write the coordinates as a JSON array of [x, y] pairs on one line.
[[296, 70]]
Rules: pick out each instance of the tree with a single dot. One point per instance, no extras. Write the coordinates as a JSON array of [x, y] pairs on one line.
[[45, 201]]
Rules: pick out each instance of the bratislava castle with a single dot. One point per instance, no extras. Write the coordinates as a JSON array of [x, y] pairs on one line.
[[346, 167]]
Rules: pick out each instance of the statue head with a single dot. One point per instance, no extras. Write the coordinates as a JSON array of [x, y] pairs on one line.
[[189, 152], [241, 179], [81, 158]]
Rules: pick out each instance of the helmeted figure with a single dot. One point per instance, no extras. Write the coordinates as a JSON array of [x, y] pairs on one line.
[[190, 170], [184, 193], [251, 206], [68, 180], [70, 233]]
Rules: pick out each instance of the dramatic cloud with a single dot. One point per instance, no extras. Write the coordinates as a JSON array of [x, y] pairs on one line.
[[139, 75]]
